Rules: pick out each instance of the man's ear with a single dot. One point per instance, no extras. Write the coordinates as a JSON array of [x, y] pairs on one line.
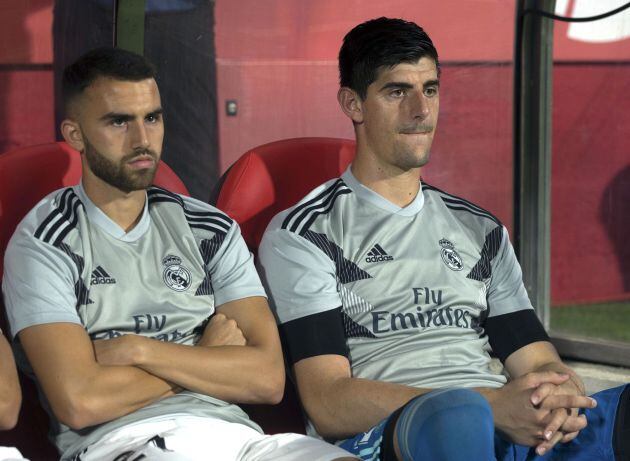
[[351, 104], [71, 132]]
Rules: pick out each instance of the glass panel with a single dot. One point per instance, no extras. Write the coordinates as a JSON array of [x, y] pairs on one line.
[[590, 253]]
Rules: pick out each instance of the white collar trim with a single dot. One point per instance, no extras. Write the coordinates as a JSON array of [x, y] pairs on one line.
[[378, 200], [96, 216]]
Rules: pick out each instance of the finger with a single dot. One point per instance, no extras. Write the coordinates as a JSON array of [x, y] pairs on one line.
[[558, 418], [574, 424], [570, 436], [541, 392], [544, 447], [537, 378], [568, 401]]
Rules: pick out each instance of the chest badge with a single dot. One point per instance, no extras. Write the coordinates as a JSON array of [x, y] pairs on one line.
[[176, 276], [451, 258]]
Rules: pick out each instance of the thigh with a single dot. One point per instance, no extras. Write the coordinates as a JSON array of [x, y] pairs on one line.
[[203, 439], [11, 454], [377, 444], [291, 447], [177, 438]]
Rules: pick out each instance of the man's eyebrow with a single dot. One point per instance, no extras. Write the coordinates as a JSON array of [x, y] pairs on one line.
[[127, 117], [117, 116], [408, 86], [397, 85]]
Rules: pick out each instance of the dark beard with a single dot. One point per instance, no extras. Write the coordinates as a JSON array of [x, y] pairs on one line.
[[115, 174]]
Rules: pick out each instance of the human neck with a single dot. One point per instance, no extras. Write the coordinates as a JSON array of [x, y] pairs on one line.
[[125, 209], [397, 186]]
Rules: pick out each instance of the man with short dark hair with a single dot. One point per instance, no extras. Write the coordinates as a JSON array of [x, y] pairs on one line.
[[139, 310], [390, 294]]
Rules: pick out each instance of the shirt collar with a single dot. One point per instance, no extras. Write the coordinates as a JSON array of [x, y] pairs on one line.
[[378, 200], [96, 216]]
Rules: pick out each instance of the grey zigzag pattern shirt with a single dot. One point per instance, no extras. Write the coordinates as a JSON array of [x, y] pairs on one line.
[[68, 262]]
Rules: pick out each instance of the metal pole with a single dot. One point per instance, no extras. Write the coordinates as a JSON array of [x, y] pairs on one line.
[[532, 150]]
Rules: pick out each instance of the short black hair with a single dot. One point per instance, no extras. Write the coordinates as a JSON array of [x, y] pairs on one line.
[[103, 62], [377, 43]]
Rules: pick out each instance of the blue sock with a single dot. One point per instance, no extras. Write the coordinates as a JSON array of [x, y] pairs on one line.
[[447, 424]]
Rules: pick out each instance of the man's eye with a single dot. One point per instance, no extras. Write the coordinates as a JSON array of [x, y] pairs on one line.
[[152, 118], [431, 91], [399, 93], [119, 122]]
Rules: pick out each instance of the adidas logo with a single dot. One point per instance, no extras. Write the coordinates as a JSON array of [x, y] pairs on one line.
[[100, 277], [377, 254]]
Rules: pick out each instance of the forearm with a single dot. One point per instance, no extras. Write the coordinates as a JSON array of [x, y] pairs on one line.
[[239, 374], [106, 393], [83, 391], [10, 401], [348, 406], [10, 393]]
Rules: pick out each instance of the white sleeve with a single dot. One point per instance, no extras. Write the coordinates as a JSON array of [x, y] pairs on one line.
[[38, 284], [232, 270], [300, 278], [506, 292]]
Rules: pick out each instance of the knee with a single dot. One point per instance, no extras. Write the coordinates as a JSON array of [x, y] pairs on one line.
[[467, 398], [455, 408], [429, 424]]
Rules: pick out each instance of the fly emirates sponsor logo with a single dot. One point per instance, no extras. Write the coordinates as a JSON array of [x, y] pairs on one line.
[[429, 312]]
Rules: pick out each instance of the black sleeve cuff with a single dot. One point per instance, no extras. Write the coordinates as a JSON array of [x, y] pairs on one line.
[[509, 332], [317, 334]]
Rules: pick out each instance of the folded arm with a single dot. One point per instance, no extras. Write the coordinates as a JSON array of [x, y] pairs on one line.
[[249, 373], [81, 391]]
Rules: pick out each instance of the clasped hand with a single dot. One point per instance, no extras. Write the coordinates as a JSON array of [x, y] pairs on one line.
[[541, 409]]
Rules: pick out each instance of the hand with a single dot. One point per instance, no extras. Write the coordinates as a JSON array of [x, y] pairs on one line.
[[518, 418], [222, 331], [119, 351], [564, 424]]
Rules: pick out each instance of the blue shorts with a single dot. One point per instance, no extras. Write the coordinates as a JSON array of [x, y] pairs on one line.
[[595, 442], [367, 445]]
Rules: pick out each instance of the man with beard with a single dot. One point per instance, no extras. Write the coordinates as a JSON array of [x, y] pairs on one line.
[[390, 294], [139, 310]]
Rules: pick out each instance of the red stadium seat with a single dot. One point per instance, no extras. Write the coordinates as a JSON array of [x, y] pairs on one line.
[[263, 182], [272, 177], [26, 176]]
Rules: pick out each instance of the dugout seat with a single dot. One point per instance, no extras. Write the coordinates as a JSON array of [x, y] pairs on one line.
[[26, 176], [261, 183], [272, 177]]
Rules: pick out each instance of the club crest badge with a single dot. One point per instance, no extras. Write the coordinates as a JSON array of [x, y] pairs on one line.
[[451, 258], [176, 276]]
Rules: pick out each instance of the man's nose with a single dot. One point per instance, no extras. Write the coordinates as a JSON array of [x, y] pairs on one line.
[[418, 105], [138, 136]]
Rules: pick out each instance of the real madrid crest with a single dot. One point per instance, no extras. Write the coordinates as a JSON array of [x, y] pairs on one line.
[[450, 257], [176, 276]]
